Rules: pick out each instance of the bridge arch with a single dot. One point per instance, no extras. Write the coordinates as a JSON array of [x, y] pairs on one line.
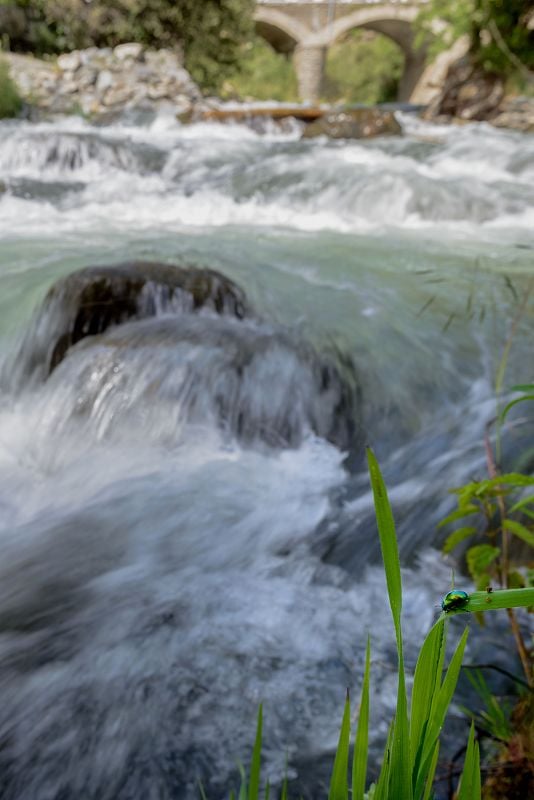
[[280, 30], [307, 31], [389, 19]]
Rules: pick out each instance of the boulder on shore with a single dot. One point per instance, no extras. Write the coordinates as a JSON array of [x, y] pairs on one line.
[[354, 123]]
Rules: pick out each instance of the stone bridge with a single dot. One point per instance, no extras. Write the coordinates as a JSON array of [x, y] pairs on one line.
[[307, 28]]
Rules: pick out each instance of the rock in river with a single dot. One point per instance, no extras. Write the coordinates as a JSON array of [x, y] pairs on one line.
[[354, 123]]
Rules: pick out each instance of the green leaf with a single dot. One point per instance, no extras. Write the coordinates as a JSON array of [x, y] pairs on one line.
[[480, 557], [441, 702], [523, 387], [359, 761], [496, 600], [469, 786], [431, 772], [519, 530], [457, 537], [513, 403], [388, 540], [460, 513], [427, 680], [243, 788], [255, 764], [525, 501], [339, 789], [283, 794], [400, 783], [381, 787]]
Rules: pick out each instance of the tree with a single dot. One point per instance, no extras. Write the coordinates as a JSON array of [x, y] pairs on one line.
[[210, 33], [502, 40]]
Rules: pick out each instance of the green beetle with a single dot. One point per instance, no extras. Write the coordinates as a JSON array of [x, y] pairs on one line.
[[454, 600]]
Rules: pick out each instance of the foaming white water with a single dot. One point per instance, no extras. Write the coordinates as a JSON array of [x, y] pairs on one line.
[[161, 573], [168, 176]]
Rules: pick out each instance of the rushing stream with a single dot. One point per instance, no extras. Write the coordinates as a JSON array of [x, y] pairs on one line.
[[186, 522]]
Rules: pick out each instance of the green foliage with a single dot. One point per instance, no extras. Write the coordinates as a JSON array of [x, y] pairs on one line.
[[487, 499], [339, 789], [470, 781], [359, 761], [211, 33], [500, 39], [495, 716], [10, 102], [363, 68], [262, 74]]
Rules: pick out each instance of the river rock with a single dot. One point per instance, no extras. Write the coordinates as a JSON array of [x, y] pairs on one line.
[[354, 123], [468, 93], [93, 80], [130, 50], [91, 300], [69, 62]]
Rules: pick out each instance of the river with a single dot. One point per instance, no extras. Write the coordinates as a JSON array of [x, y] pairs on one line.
[[161, 575]]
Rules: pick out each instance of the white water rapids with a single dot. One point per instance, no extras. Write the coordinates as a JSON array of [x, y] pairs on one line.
[[161, 576]]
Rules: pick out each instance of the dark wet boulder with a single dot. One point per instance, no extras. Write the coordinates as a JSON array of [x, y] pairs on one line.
[[354, 123], [88, 302]]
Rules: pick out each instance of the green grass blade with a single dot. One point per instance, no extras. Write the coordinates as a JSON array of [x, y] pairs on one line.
[[201, 790], [283, 794], [469, 787], [440, 705], [496, 600], [382, 784], [255, 764], [431, 772], [427, 681], [400, 778], [267, 791], [400, 782], [359, 762], [243, 788], [339, 789], [388, 539]]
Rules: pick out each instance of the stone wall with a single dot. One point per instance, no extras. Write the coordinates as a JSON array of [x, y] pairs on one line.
[[96, 81]]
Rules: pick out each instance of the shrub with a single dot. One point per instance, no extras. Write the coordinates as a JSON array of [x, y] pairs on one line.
[[10, 102]]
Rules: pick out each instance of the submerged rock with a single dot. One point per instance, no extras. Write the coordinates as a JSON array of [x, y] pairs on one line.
[[354, 123], [160, 348], [248, 380], [88, 302]]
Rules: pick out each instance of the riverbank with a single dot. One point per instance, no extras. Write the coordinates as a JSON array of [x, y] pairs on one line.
[[102, 83]]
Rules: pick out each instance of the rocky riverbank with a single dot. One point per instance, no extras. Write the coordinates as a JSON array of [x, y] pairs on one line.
[[96, 81], [470, 95], [99, 82]]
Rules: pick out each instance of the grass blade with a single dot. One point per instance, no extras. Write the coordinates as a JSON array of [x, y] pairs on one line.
[[427, 682], [339, 789], [442, 700], [359, 762], [400, 779], [255, 764], [469, 786], [388, 539], [431, 773], [381, 788], [498, 599]]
